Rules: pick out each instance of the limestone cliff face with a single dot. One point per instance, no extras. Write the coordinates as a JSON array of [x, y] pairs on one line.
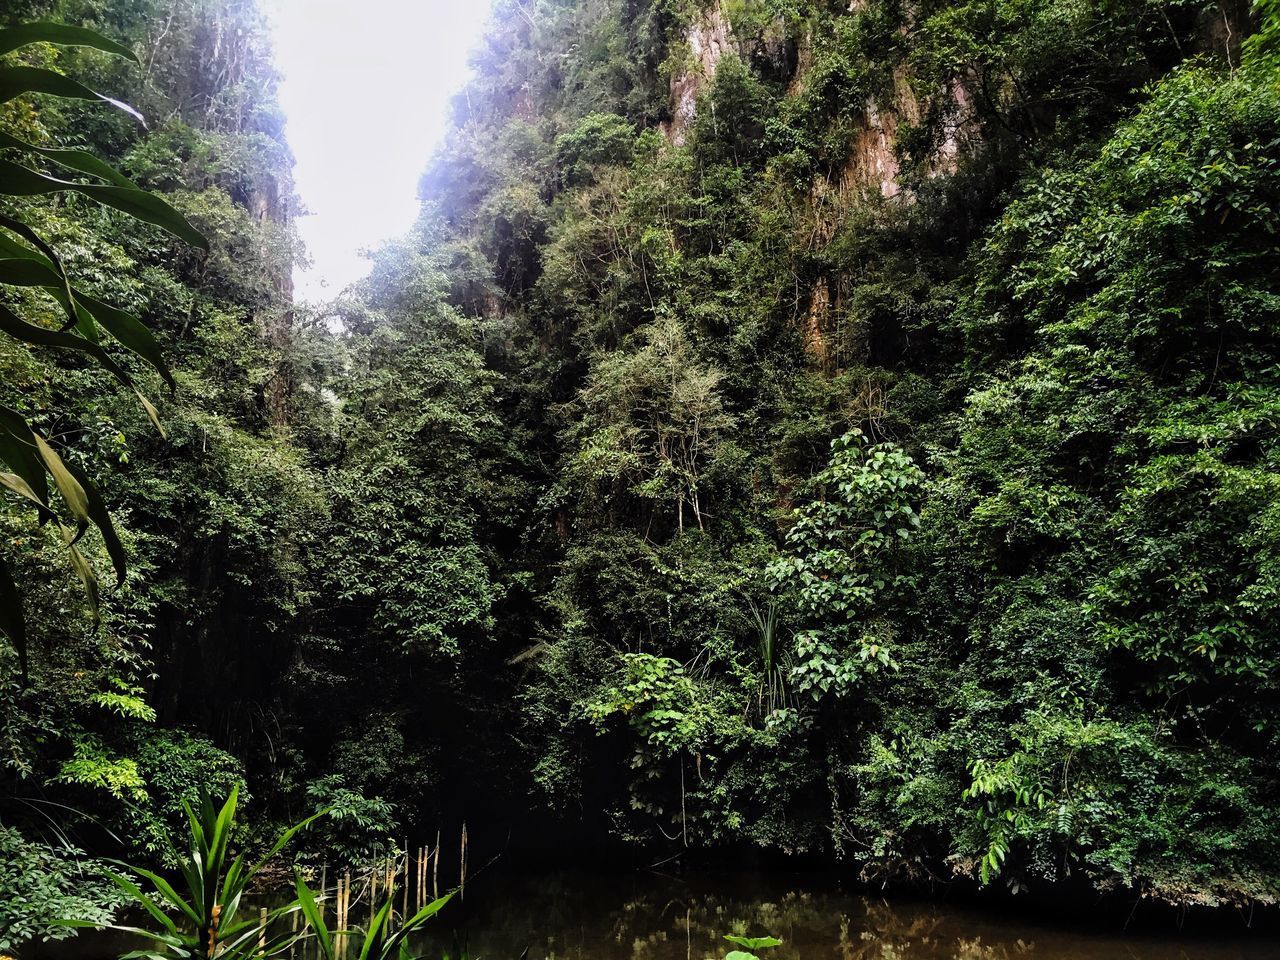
[[709, 38], [870, 173], [872, 167], [950, 122], [230, 86]]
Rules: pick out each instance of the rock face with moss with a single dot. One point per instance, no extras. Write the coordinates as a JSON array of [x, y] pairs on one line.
[[799, 426]]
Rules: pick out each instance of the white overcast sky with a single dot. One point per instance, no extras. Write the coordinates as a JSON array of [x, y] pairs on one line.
[[366, 86]]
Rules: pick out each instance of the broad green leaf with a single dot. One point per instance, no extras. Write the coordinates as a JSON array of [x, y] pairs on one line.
[[25, 273], [72, 493], [63, 35], [430, 910], [23, 489], [11, 248], [19, 329], [159, 937], [146, 903], [216, 833], [18, 450], [754, 943], [234, 883], [124, 326], [84, 570], [419, 918], [170, 895], [83, 309], [129, 331], [16, 484], [16, 81], [82, 161], [17, 180], [311, 911], [135, 894], [102, 520], [47, 258], [33, 273], [191, 876], [288, 835], [371, 935]]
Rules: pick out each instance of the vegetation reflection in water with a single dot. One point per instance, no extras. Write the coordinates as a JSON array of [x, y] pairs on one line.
[[589, 916]]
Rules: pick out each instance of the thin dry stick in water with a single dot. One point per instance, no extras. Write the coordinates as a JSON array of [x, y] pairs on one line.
[[462, 868], [389, 885], [422, 876], [337, 908], [435, 870], [344, 907]]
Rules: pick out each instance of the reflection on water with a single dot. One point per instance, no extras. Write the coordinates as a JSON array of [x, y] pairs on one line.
[[645, 916], [650, 917]]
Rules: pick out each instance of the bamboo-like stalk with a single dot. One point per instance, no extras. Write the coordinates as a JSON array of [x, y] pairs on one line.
[[344, 910], [462, 866], [435, 870], [340, 915], [262, 931], [337, 905], [422, 876], [389, 890], [404, 900]]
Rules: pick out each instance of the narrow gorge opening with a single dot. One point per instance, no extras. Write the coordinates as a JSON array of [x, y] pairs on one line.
[[642, 471]]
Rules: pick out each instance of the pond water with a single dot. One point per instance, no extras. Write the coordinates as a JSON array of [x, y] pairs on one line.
[[646, 916]]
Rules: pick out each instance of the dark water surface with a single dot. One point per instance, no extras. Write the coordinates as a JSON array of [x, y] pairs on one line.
[[647, 916]]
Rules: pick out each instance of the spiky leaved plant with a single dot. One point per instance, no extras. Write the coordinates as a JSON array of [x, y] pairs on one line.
[[200, 917]]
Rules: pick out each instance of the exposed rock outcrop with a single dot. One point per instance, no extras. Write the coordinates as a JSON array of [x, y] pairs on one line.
[[709, 38]]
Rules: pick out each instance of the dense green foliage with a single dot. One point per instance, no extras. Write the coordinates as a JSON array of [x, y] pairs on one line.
[[94, 740], [1014, 620], [788, 428]]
